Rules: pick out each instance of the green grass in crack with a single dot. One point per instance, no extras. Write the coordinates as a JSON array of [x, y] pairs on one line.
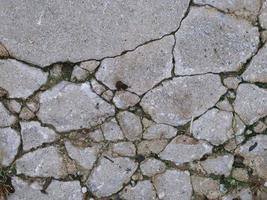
[[5, 181]]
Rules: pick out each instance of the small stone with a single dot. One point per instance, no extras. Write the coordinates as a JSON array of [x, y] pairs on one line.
[[3, 51], [215, 126], [33, 104], [56, 71], [9, 144], [257, 68], [225, 105], [230, 94], [110, 175], [84, 190], [90, 65], [260, 127], [159, 131], [250, 103], [44, 162], [140, 69], [85, 157], [147, 123], [112, 131], [238, 125], [26, 113], [6, 118], [176, 101], [96, 135], [19, 79], [263, 35], [173, 184], [107, 95], [3, 92], [183, 149], [243, 194], [143, 190], [240, 174], [34, 135], [206, 186], [79, 74], [263, 15], [124, 149], [146, 147], [69, 106], [239, 139], [255, 154], [131, 125], [125, 99], [97, 87], [14, 106], [230, 46], [231, 145], [232, 82], [152, 166], [219, 165]]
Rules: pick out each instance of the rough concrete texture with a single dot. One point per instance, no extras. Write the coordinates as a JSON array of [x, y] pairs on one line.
[[133, 100], [209, 41]]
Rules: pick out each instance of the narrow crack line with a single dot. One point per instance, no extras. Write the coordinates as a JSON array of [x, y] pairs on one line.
[[232, 13], [106, 57]]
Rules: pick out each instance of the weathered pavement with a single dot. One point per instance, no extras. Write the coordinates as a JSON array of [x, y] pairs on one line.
[[134, 100]]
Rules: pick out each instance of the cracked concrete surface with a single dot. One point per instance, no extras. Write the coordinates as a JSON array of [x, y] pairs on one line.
[[133, 100]]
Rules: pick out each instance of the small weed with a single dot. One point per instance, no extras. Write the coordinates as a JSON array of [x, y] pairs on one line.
[[5, 181]]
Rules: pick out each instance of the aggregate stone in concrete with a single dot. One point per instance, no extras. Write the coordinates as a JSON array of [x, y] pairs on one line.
[[44, 162], [173, 184], [9, 144], [232, 82], [225, 105], [152, 166], [143, 190], [124, 149], [58, 190], [141, 69], [159, 131], [130, 124], [257, 69], [85, 157], [215, 126], [110, 175], [6, 118], [206, 186], [46, 32], [147, 147], [209, 41], [81, 72], [176, 101], [69, 106], [112, 131], [245, 8], [250, 103], [125, 99], [255, 154], [19, 79], [263, 15], [34, 135], [184, 149], [219, 165]]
